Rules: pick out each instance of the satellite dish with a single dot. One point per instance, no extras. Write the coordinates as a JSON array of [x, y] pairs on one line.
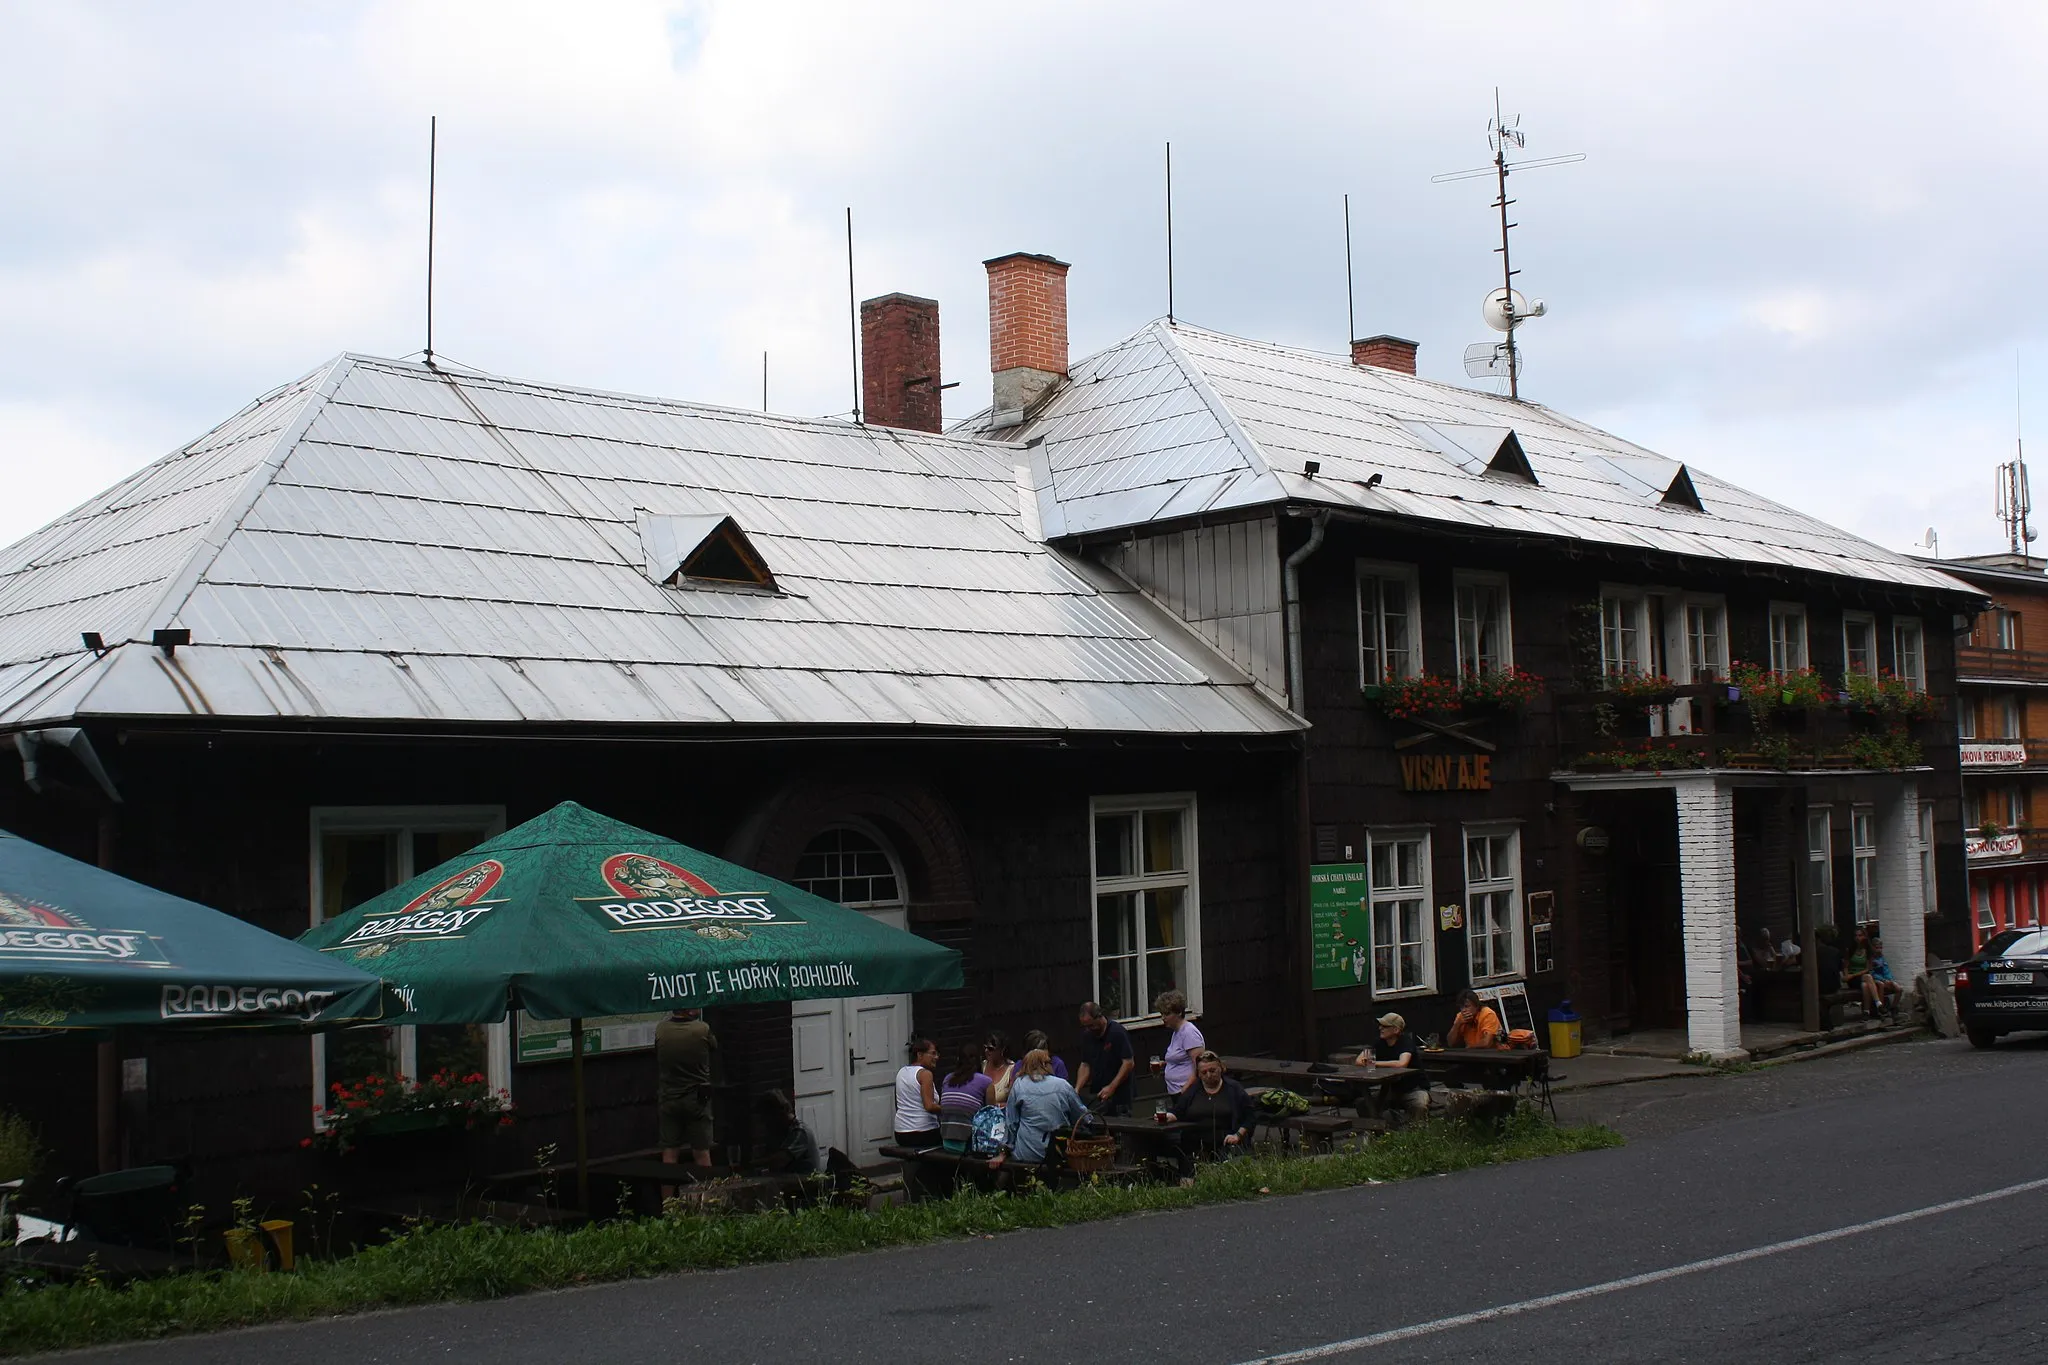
[[1495, 309]]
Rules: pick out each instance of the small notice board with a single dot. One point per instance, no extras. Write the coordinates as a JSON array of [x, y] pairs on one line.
[[547, 1040], [1340, 923]]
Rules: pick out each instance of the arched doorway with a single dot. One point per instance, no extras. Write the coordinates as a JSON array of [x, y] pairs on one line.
[[846, 1052]]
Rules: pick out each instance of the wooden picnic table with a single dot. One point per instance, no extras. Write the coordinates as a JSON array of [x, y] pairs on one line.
[[1366, 1086]]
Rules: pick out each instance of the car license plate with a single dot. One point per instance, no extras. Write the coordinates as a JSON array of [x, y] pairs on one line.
[[2011, 978]]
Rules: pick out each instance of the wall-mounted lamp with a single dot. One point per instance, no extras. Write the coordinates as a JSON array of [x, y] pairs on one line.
[[169, 639], [1374, 481], [95, 642], [1312, 467]]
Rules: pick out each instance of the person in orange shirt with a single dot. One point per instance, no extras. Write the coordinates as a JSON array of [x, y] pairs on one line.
[[1476, 1025]]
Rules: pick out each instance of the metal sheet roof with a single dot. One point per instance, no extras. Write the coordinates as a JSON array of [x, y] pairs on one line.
[[384, 542], [1176, 421]]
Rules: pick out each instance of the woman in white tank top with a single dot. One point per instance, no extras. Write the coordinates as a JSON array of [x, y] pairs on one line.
[[917, 1098]]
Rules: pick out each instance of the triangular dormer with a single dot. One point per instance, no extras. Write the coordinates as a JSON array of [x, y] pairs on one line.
[[706, 548], [1510, 458], [1476, 449], [1681, 493]]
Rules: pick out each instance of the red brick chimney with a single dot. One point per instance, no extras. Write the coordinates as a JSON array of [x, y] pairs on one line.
[[899, 362], [1027, 330], [1384, 353]]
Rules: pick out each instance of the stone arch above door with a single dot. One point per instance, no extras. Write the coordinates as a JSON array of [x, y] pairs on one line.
[[919, 827]]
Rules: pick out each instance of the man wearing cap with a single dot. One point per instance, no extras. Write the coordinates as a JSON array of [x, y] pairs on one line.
[[1397, 1047]]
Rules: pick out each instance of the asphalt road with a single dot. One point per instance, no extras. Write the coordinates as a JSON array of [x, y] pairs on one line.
[[1726, 1168]]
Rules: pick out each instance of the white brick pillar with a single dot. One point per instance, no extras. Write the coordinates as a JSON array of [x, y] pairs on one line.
[[1901, 898], [1706, 871]]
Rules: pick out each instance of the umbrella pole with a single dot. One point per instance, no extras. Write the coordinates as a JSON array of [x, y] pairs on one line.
[[582, 1116]]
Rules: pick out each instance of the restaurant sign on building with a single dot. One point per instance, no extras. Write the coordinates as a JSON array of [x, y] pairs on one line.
[[2009, 754]]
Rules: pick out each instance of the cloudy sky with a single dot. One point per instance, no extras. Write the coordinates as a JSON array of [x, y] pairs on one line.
[[1803, 250]]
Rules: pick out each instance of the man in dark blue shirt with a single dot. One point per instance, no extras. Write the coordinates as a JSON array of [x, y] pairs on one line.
[[1104, 1076]]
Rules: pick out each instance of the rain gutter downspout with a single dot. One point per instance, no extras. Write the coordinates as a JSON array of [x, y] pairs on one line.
[[1291, 577], [1304, 949]]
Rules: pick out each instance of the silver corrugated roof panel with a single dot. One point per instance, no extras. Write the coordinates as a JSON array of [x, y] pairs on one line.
[[384, 542], [1176, 421]]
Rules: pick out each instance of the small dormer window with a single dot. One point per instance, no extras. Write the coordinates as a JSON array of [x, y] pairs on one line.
[[1476, 449], [1509, 458], [1680, 492], [701, 549]]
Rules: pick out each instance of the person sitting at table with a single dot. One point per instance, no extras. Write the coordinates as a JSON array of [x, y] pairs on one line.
[[1213, 1116], [1104, 1080], [1476, 1025], [791, 1146], [1856, 970], [1788, 949], [997, 1066], [1880, 991], [917, 1097], [965, 1092], [1035, 1040], [1183, 1040], [1764, 953], [1397, 1047], [1040, 1104]]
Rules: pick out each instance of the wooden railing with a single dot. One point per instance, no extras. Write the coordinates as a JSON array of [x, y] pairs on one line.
[[1706, 726], [2017, 665]]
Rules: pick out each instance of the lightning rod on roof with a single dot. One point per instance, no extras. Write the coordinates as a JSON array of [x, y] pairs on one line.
[[1169, 234], [1350, 302], [433, 160], [1505, 307], [852, 315]]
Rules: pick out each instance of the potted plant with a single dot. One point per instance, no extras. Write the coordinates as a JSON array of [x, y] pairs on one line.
[[385, 1105], [1505, 689]]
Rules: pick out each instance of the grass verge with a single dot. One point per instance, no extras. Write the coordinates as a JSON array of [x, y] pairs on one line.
[[438, 1264]]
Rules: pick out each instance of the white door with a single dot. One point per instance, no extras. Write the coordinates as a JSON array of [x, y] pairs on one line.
[[847, 1052], [818, 1047]]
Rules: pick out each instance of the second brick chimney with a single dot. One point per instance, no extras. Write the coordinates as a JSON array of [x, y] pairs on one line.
[[1385, 353], [1027, 330], [899, 362]]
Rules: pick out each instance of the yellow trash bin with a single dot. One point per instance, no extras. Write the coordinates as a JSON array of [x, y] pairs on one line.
[[1565, 1037]]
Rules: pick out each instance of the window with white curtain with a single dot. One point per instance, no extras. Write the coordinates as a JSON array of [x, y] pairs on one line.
[[1788, 637], [1493, 899], [1389, 634], [1147, 908], [1863, 844], [1909, 658], [1485, 637], [1403, 947], [1859, 643]]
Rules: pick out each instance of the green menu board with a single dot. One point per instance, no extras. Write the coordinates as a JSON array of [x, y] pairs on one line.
[[1340, 923]]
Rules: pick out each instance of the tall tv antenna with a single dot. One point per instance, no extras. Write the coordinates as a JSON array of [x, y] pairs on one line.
[[1169, 234], [1505, 308]]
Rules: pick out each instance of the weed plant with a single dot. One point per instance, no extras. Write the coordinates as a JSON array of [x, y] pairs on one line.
[[429, 1264]]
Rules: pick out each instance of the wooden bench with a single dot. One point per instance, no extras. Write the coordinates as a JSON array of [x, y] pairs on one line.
[[934, 1172]]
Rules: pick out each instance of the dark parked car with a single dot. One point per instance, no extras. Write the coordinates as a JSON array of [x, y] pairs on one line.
[[2005, 986]]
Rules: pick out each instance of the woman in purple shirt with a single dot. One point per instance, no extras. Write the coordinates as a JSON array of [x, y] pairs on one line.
[[964, 1093], [1184, 1042]]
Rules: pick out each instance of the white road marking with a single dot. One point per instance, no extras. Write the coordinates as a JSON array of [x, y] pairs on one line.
[[1509, 1310]]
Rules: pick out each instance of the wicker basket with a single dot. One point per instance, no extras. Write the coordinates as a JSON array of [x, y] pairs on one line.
[[1087, 1155]]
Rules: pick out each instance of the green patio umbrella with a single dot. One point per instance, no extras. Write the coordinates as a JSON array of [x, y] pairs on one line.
[[82, 948], [573, 915]]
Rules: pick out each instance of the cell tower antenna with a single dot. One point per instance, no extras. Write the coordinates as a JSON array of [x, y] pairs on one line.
[[2015, 498], [1506, 308]]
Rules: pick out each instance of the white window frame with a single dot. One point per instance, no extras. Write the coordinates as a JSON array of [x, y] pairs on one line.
[[1905, 629], [1967, 708], [1494, 885], [1926, 831], [1189, 876], [1863, 850], [2012, 717], [1980, 896], [2004, 632], [1853, 621], [1461, 581], [1820, 863], [1789, 636], [405, 821], [1375, 895], [1391, 574], [1626, 609], [1679, 637]]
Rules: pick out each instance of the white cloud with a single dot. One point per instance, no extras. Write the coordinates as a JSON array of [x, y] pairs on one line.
[[1796, 255]]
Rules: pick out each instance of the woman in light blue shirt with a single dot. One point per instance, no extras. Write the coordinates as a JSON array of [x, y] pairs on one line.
[[1040, 1104]]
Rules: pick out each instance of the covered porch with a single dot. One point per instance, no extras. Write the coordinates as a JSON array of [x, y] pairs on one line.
[[1665, 859]]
